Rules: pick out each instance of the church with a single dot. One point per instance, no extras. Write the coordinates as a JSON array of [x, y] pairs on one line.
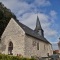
[[18, 39]]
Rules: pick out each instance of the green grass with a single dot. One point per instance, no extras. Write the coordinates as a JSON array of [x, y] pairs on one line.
[[8, 57]]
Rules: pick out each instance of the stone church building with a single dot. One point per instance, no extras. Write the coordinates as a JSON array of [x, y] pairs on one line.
[[19, 39]]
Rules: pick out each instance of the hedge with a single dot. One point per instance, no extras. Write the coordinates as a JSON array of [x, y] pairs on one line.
[[8, 57]]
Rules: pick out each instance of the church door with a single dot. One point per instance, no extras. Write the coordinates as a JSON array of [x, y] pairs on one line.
[[10, 48]]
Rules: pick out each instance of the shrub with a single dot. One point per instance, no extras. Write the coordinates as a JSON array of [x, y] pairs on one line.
[[8, 57]]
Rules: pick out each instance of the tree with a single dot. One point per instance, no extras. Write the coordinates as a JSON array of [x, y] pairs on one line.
[[59, 44], [5, 16]]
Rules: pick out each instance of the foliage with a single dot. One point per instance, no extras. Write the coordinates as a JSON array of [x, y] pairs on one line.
[[7, 57], [5, 16]]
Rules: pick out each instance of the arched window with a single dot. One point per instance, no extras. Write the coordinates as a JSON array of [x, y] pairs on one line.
[[10, 48], [44, 47], [38, 46]]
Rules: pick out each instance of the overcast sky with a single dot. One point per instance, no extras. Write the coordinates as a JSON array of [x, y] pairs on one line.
[[48, 12]]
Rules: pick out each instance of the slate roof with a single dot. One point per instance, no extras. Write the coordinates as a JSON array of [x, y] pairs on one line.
[[30, 32]]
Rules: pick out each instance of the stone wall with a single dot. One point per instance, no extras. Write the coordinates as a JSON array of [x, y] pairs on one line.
[[14, 33], [31, 50]]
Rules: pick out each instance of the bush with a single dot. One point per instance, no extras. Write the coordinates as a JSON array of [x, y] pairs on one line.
[[8, 57]]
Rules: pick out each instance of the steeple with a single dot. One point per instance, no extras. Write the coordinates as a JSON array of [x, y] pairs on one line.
[[38, 25], [38, 28]]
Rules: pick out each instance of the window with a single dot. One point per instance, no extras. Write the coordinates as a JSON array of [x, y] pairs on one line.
[[44, 47], [34, 43], [10, 48], [38, 46]]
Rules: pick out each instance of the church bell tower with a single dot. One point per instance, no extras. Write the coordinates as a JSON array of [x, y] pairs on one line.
[[38, 28]]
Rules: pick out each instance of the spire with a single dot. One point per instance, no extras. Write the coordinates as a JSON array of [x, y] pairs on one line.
[[38, 28], [38, 24]]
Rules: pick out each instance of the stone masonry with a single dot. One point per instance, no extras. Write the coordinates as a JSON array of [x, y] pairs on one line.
[[22, 43]]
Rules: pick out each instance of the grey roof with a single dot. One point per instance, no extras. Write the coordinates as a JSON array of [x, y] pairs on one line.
[[31, 32]]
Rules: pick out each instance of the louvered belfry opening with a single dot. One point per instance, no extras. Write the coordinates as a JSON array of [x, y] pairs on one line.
[[10, 48]]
